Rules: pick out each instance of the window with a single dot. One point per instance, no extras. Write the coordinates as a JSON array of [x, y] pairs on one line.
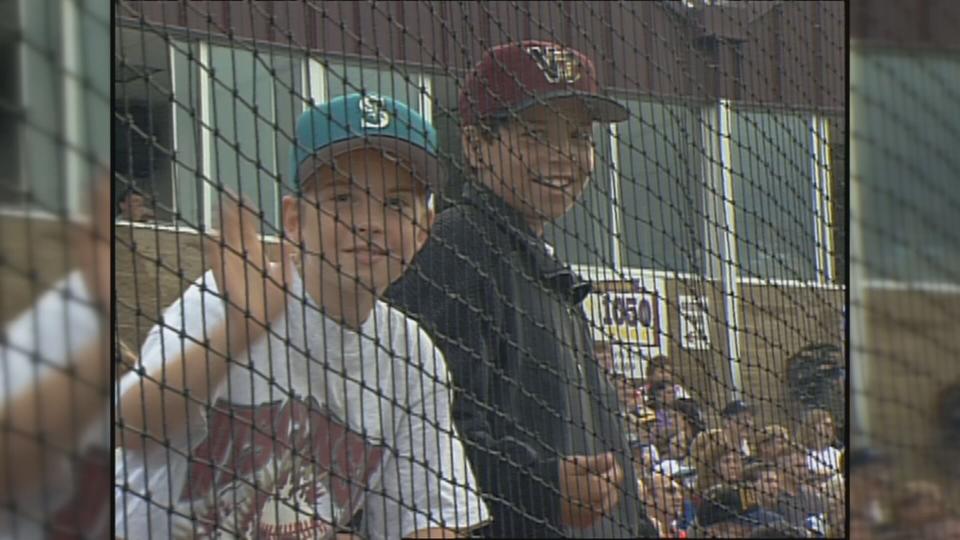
[[772, 166], [166, 147], [660, 186], [142, 121], [395, 81], [904, 111], [247, 154], [42, 99]]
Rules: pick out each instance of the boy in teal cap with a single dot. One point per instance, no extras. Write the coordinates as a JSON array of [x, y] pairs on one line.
[[331, 402]]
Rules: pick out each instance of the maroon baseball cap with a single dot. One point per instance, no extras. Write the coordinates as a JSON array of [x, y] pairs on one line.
[[514, 76]]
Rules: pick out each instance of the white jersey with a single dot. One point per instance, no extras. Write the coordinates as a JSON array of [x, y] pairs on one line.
[[60, 324], [325, 422]]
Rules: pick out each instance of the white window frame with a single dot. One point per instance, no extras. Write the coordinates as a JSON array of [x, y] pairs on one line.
[[313, 86], [72, 108]]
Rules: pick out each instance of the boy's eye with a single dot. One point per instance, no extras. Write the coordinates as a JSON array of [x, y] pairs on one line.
[[397, 202], [342, 198]]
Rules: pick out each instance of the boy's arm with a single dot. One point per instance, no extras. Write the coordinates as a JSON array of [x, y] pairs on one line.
[[43, 418], [254, 298]]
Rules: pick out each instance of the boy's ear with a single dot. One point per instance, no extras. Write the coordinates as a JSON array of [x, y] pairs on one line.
[[423, 233], [470, 140]]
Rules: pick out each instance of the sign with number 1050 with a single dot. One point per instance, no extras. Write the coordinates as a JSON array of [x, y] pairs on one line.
[[625, 317]]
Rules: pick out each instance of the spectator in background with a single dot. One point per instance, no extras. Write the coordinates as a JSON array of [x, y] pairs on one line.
[[762, 481], [723, 514], [779, 530], [800, 504], [690, 410], [835, 497], [132, 206], [919, 509], [738, 423], [646, 457], [870, 482], [664, 502], [705, 453], [816, 434], [659, 369], [773, 441]]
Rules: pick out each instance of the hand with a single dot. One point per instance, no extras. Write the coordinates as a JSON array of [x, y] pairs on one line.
[[589, 487], [251, 285]]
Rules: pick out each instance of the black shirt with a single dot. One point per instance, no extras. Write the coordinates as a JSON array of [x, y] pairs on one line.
[[528, 392]]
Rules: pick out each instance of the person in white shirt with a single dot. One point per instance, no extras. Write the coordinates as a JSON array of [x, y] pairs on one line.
[[817, 434], [54, 382], [308, 400]]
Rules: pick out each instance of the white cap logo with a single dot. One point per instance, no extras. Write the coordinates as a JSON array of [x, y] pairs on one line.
[[556, 64], [373, 113]]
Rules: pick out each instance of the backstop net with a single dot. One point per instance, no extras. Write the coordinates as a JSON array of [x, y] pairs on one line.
[[505, 268], [904, 258], [54, 270]]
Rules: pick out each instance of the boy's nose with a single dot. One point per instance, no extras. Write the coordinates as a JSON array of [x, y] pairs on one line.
[[369, 220]]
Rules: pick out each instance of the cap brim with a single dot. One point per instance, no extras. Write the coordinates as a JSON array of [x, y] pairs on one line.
[[601, 108], [424, 166]]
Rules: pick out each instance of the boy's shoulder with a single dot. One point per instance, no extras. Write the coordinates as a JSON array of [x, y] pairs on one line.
[[408, 338]]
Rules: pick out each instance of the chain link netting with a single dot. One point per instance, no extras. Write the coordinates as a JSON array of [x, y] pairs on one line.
[[54, 270], [507, 269], [905, 255]]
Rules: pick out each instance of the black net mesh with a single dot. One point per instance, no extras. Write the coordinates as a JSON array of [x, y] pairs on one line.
[[905, 255], [507, 269], [54, 270]]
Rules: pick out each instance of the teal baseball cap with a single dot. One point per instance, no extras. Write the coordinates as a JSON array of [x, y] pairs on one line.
[[354, 121]]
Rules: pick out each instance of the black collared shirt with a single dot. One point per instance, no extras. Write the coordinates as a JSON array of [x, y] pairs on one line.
[[528, 392]]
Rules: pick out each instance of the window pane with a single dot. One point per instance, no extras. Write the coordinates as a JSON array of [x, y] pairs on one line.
[[143, 120], [660, 187], [43, 105], [187, 177], [95, 37], [771, 157], [384, 80], [243, 152], [907, 164], [585, 235], [289, 103]]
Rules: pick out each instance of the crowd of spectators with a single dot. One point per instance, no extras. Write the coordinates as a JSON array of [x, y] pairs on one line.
[[738, 478]]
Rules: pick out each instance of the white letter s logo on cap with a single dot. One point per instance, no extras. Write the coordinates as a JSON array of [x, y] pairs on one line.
[[373, 113]]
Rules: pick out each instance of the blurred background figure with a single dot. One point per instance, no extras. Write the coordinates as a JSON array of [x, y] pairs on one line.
[[904, 277], [55, 270]]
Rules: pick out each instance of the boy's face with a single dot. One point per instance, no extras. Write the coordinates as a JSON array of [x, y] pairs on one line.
[[364, 221], [767, 487], [740, 425], [540, 162], [730, 467], [774, 445]]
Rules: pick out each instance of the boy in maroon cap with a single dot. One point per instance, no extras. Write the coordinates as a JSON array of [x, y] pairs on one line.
[[539, 418]]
